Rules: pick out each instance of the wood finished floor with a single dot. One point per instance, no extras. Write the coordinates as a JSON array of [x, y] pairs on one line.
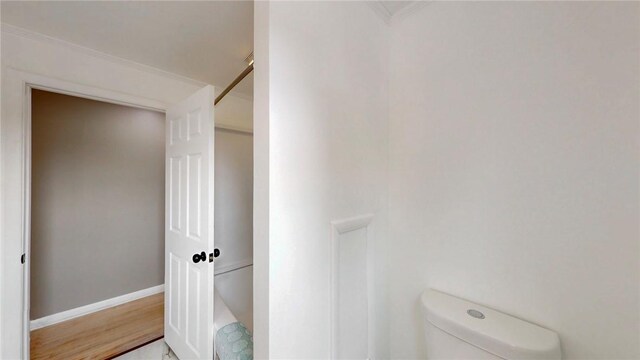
[[103, 334]]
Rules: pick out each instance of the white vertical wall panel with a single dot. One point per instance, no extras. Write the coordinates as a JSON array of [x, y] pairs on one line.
[[352, 289]]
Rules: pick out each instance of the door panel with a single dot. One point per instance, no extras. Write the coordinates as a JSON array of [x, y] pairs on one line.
[[189, 226]]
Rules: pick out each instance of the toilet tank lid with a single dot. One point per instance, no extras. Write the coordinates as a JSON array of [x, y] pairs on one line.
[[495, 332]]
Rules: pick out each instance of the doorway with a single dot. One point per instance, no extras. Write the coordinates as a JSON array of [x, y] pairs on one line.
[[97, 226], [234, 149]]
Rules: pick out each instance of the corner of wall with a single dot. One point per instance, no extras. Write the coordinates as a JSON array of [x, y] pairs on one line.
[[261, 305]]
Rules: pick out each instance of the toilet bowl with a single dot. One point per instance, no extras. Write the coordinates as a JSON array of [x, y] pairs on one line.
[[459, 329]]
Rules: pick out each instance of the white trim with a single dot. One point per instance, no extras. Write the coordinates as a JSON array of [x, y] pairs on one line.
[[29, 81], [234, 128], [36, 81], [350, 224], [26, 218], [339, 227], [36, 36], [233, 266], [91, 308], [32, 35]]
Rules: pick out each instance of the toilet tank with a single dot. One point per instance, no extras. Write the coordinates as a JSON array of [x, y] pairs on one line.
[[459, 329]]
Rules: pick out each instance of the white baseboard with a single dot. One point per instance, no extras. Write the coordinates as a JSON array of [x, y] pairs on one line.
[[91, 308]]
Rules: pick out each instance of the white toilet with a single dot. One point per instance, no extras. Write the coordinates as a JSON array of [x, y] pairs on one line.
[[459, 329]]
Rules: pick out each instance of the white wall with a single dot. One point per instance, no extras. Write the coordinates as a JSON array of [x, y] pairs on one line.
[[233, 197], [514, 168], [236, 290], [233, 220], [235, 111], [323, 122], [261, 196], [81, 67]]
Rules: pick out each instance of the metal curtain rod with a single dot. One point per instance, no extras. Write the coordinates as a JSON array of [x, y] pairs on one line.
[[235, 82]]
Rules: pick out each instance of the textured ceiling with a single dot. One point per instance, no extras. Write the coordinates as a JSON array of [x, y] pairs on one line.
[[206, 41]]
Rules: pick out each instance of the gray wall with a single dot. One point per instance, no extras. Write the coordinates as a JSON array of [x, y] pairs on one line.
[[97, 201]]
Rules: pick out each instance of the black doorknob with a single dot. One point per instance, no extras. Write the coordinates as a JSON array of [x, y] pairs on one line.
[[215, 253], [199, 257], [203, 256]]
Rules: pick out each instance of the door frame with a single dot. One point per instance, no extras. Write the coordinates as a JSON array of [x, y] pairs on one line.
[[29, 81]]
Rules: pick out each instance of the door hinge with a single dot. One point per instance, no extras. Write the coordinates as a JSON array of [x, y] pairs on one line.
[[22, 258]]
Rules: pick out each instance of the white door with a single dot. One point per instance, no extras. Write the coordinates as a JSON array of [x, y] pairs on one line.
[[188, 301]]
